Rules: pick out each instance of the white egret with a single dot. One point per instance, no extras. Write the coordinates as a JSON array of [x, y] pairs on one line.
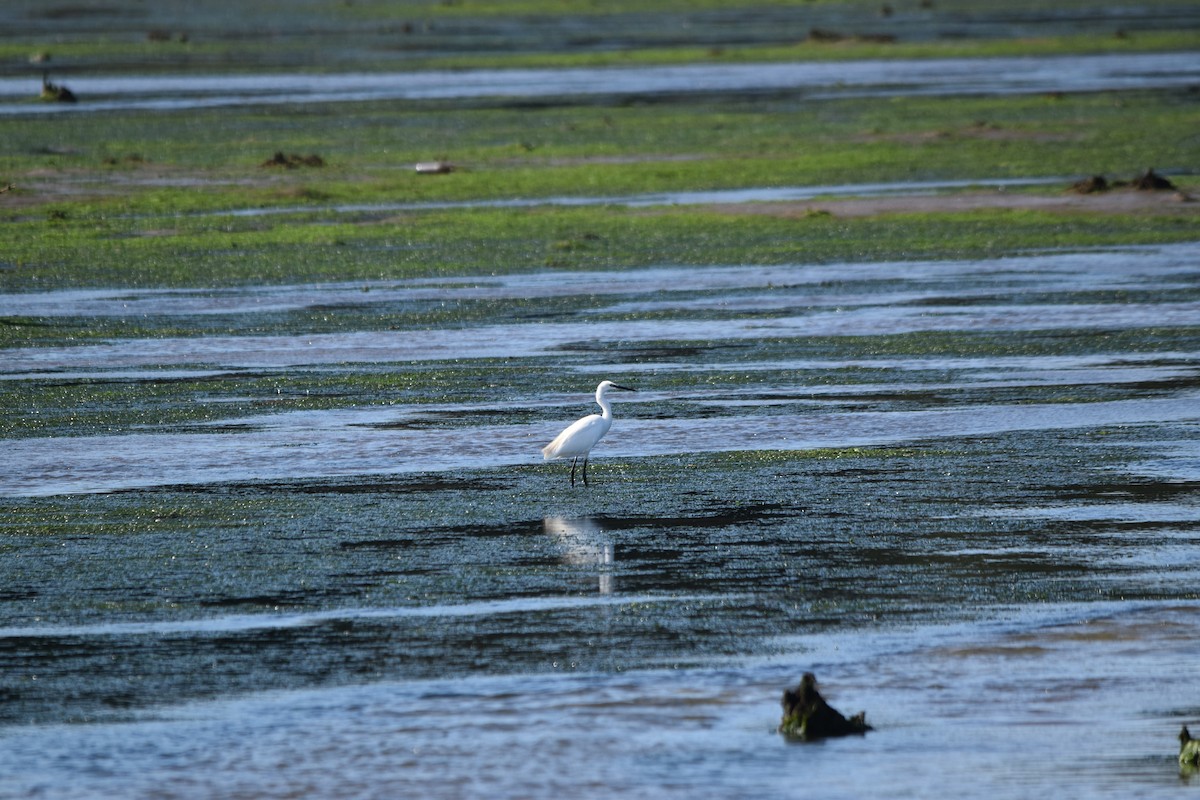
[[582, 435]]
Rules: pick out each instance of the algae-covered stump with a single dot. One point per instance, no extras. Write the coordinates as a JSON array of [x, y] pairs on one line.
[[1189, 750], [808, 717]]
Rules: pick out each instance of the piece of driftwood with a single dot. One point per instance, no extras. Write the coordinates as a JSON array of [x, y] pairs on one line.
[[434, 167]]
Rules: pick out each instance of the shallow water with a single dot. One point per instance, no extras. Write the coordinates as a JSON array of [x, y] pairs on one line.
[[832, 300], [760, 194], [816, 80], [1165, 267], [963, 493], [785, 302], [1049, 699]]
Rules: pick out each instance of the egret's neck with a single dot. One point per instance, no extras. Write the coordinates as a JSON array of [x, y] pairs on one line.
[[605, 408]]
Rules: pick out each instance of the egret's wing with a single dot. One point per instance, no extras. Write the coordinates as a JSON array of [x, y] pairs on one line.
[[578, 438]]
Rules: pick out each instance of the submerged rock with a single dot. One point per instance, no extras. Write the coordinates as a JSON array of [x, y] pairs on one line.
[[1189, 750], [807, 716]]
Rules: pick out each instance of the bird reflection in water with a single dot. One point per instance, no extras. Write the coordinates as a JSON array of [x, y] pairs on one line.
[[584, 543]]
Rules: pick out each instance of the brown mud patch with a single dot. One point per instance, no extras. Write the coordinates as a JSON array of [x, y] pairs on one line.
[[121, 176], [604, 160]]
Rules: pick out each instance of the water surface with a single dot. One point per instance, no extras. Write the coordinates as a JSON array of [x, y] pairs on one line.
[[815, 80]]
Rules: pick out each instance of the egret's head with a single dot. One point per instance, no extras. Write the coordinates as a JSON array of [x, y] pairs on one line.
[[606, 385]]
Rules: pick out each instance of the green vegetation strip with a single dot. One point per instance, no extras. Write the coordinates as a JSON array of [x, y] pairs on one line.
[[145, 164], [47, 255]]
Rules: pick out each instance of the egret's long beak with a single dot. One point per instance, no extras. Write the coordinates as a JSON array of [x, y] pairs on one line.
[[626, 388]]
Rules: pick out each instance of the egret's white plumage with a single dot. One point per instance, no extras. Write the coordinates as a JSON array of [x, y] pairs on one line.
[[582, 435]]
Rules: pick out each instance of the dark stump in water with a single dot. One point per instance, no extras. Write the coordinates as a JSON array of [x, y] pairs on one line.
[[55, 92], [807, 716]]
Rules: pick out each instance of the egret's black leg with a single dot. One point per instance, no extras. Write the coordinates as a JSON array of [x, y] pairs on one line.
[[575, 461], [585, 459]]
